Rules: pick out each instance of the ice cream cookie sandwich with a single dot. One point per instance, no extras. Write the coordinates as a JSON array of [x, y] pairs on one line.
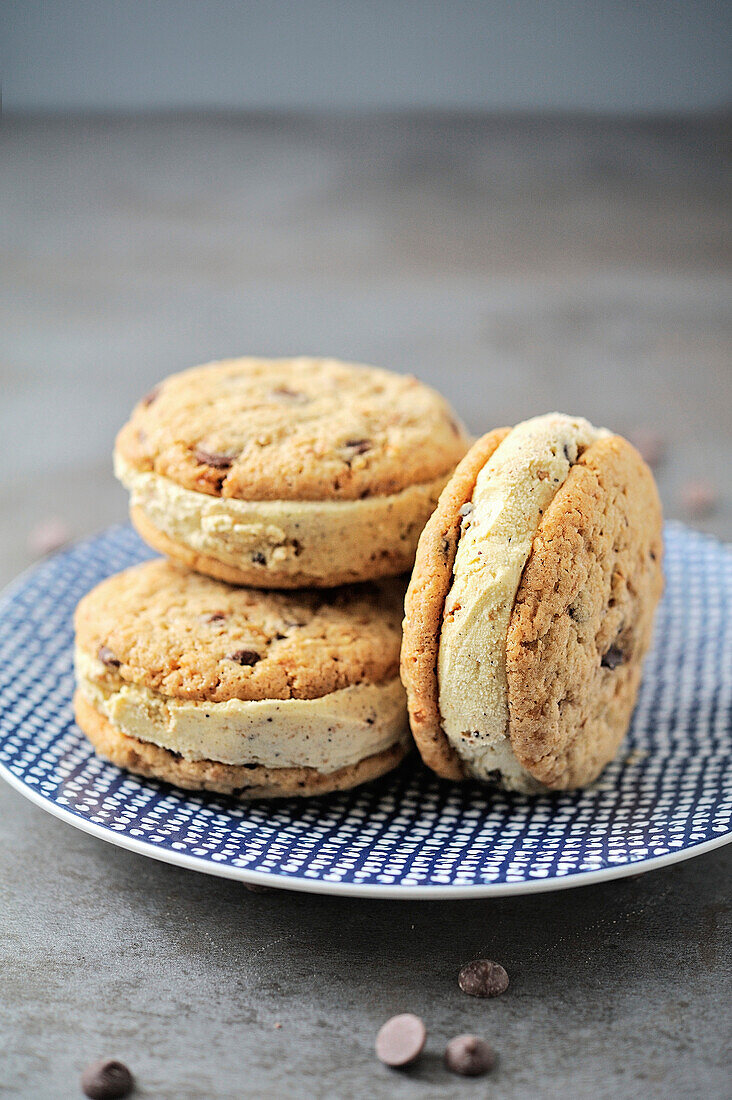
[[211, 687], [288, 473], [531, 606]]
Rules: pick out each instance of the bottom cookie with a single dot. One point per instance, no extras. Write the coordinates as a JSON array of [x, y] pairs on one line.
[[241, 781]]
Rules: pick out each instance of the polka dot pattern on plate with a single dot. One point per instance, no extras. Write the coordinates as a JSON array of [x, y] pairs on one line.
[[668, 793]]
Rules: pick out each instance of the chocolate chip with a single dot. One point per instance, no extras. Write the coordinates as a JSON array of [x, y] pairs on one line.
[[150, 397], [358, 446], [108, 658], [567, 454], [483, 978], [613, 657], [650, 443], [245, 657], [284, 393], [216, 617], [469, 1056], [211, 458], [698, 498], [107, 1080], [258, 558], [400, 1040], [578, 612]]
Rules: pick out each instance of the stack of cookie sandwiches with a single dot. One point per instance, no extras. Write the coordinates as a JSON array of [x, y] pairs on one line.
[[261, 657]]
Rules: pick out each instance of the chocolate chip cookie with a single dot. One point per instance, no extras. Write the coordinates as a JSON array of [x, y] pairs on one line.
[[235, 690], [288, 473]]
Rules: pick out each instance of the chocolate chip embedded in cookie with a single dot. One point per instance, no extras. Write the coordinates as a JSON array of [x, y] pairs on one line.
[[288, 473], [241, 691], [531, 606]]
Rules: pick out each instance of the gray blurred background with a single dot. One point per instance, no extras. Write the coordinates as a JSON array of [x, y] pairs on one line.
[[524, 203]]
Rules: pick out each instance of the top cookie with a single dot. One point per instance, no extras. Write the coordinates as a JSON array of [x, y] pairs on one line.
[[293, 429]]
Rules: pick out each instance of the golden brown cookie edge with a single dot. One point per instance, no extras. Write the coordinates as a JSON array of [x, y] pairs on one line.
[[424, 606], [153, 762]]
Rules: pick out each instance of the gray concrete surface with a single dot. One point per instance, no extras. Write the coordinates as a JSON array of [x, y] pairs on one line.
[[520, 265]]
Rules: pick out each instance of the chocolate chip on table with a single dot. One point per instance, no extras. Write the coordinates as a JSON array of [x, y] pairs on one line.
[[612, 658], [245, 657], [211, 458], [108, 658], [107, 1080], [649, 443], [469, 1056], [48, 536], [400, 1040], [483, 978], [698, 498]]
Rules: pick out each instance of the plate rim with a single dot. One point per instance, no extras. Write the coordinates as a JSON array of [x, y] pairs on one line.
[[301, 884], [385, 891]]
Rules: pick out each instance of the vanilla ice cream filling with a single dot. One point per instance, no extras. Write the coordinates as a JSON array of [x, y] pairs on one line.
[[332, 732], [511, 493], [286, 536]]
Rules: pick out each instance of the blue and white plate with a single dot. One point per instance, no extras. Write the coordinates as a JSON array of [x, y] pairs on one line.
[[667, 797]]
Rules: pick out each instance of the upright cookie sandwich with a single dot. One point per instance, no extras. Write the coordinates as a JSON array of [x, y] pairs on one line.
[[288, 473], [240, 691], [531, 606]]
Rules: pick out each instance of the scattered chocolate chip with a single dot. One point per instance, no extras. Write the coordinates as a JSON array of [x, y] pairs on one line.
[[108, 658], [210, 458], [107, 1080], [258, 558], [284, 393], [469, 1056], [649, 443], [245, 657], [150, 397], [483, 978], [216, 617], [400, 1040], [613, 657], [48, 536], [698, 498]]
